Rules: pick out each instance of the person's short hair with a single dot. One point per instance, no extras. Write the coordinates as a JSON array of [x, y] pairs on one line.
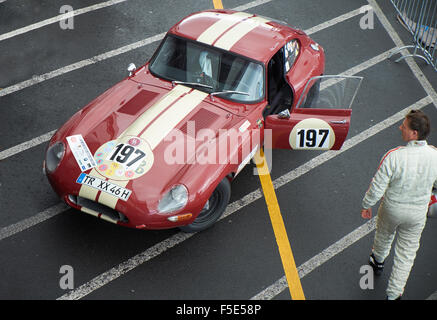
[[419, 121]]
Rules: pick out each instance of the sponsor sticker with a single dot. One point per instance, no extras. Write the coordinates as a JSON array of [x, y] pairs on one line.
[[126, 158], [81, 152], [104, 186]]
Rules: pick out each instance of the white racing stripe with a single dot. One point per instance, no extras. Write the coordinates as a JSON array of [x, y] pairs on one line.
[[231, 37], [178, 238], [159, 126], [58, 18], [215, 30]]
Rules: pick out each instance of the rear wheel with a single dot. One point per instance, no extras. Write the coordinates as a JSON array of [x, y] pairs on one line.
[[213, 209]]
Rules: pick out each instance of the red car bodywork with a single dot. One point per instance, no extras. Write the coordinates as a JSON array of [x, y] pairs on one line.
[[116, 110]]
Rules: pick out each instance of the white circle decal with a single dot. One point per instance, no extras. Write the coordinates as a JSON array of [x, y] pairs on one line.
[[312, 134], [126, 158]]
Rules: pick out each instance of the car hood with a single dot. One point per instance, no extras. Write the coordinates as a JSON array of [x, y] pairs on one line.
[[171, 125]]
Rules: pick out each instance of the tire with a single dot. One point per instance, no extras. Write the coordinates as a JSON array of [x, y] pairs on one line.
[[217, 204]]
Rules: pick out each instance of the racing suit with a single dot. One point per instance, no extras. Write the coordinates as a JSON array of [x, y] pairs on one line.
[[404, 179]]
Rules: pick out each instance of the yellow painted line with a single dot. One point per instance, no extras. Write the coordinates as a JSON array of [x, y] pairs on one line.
[[282, 241], [218, 4]]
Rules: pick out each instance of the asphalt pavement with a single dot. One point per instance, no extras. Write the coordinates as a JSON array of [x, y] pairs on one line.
[[47, 73]]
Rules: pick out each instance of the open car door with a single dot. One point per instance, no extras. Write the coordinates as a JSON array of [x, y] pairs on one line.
[[321, 118]]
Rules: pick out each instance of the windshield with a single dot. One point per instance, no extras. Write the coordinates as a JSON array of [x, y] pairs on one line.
[[216, 70]]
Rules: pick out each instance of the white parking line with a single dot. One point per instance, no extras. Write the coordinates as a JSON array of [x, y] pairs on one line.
[[333, 21], [45, 137], [26, 145], [433, 296], [178, 238], [32, 221], [316, 261], [231, 208], [86, 62], [61, 17], [399, 43], [78, 65]]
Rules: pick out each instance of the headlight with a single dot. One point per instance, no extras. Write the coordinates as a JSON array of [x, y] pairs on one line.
[[54, 155], [174, 200]]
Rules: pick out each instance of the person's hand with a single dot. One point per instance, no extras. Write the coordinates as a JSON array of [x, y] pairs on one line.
[[366, 213]]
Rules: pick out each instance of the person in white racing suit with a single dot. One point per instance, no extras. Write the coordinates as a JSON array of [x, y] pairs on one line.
[[404, 179]]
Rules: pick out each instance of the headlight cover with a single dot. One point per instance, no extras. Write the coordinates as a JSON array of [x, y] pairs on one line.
[[54, 155], [174, 200]]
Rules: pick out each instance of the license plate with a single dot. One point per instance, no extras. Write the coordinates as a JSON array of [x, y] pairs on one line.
[[105, 186]]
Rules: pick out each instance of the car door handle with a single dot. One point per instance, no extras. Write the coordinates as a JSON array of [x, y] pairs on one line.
[[338, 121]]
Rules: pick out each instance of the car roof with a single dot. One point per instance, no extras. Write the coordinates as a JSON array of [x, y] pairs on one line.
[[243, 33]]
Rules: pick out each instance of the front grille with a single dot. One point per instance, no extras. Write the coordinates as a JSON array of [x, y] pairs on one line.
[[100, 208]]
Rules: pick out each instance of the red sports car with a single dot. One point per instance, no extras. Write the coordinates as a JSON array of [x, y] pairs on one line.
[[159, 149]]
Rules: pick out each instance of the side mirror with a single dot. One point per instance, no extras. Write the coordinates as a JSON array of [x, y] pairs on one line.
[[131, 69]]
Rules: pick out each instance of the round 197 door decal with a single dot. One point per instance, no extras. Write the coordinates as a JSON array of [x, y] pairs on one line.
[[312, 134], [126, 158]]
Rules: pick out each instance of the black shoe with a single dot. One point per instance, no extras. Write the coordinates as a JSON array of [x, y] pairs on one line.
[[377, 266], [398, 298]]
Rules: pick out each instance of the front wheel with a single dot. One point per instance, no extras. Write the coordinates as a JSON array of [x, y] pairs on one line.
[[213, 209]]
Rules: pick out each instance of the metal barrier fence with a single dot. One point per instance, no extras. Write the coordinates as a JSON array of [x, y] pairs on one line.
[[419, 17]]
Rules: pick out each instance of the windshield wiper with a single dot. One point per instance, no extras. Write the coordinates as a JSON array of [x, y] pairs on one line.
[[191, 84], [212, 94]]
